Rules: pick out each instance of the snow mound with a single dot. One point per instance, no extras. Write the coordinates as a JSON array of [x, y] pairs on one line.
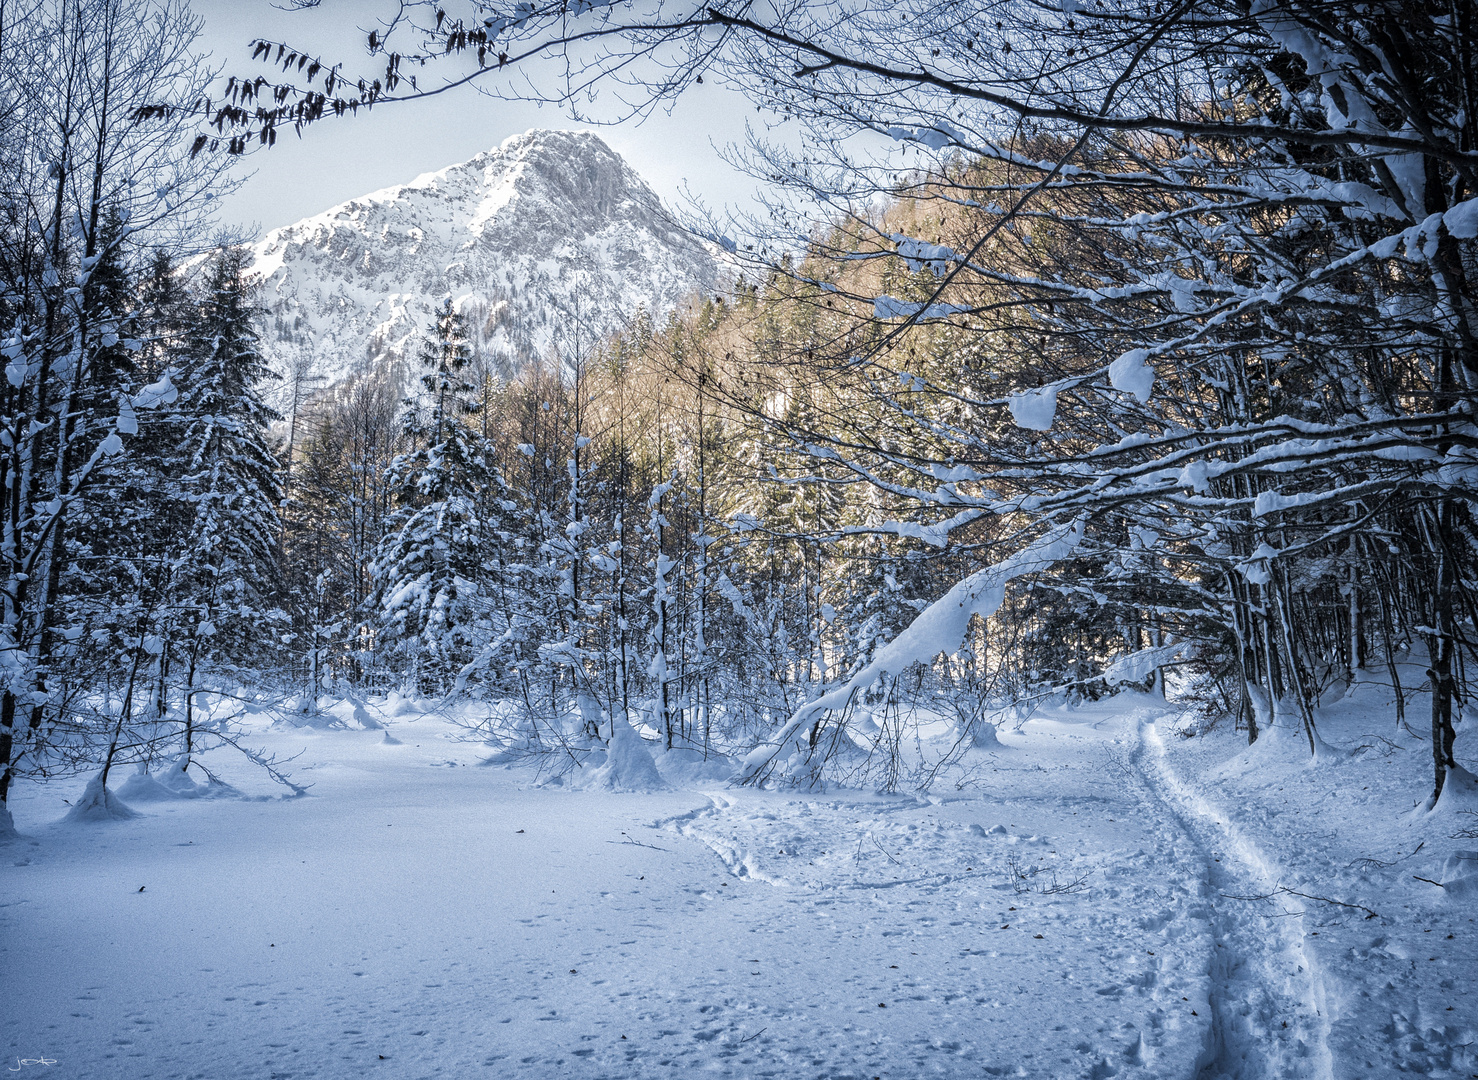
[[983, 737], [363, 717], [177, 779], [143, 786], [1459, 793], [307, 712], [1459, 876], [7, 825], [173, 783], [397, 704], [686, 766], [1277, 745], [1004, 834], [628, 765], [99, 804]]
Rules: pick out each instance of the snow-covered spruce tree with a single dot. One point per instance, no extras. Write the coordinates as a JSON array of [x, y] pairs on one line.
[[223, 483], [113, 584], [429, 564]]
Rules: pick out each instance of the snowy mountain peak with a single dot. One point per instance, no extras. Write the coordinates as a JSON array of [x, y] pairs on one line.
[[545, 243]]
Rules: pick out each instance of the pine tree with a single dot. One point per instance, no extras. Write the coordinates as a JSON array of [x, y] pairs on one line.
[[223, 479], [428, 565]]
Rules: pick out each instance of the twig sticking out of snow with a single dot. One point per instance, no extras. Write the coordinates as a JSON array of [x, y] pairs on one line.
[[637, 843], [1307, 896], [884, 850], [1021, 879], [1467, 832], [1369, 862]]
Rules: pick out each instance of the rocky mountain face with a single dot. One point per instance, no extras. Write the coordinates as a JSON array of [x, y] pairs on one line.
[[545, 243]]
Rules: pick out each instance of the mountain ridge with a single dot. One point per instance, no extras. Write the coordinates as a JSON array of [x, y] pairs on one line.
[[546, 242]]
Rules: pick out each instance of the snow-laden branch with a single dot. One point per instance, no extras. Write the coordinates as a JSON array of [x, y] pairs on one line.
[[939, 628]]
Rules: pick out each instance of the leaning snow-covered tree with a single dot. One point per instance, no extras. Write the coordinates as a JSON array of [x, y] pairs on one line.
[[1240, 310]]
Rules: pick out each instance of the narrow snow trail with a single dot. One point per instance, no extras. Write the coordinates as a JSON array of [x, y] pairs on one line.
[[1268, 1005]]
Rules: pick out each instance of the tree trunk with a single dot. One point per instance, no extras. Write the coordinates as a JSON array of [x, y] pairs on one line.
[[1440, 649]]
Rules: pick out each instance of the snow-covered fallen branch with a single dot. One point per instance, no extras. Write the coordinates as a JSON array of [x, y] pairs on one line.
[[938, 628]]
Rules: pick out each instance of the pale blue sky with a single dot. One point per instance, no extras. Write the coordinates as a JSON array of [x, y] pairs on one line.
[[343, 158]]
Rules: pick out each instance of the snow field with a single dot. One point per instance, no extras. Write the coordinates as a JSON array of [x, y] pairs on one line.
[[1062, 906]]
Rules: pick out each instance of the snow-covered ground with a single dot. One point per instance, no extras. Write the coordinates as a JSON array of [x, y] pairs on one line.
[[1072, 904]]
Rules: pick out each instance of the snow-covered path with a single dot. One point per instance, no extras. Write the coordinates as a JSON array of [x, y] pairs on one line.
[[1267, 1006], [1056, 911]]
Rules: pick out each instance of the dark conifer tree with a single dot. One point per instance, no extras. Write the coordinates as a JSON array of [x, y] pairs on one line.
[[222, 477], [429, 563]]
